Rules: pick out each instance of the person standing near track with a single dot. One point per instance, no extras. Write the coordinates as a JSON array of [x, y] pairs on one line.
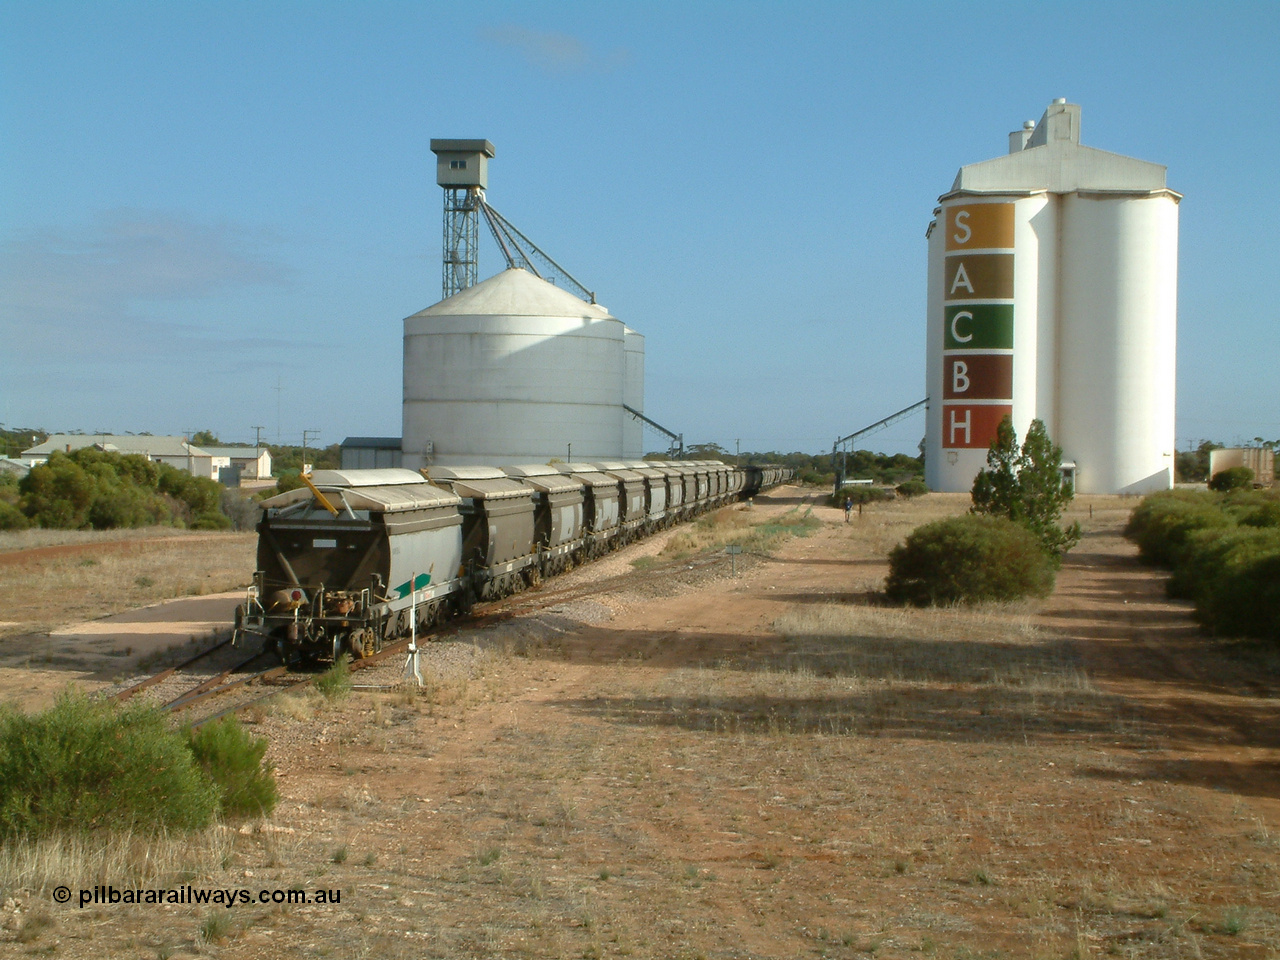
[[848, 508]]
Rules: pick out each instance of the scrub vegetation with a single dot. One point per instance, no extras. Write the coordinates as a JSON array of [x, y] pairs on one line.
[[85, 766], [969, 559], [91, 489], [1009, 545], [1224, 554], [744, 528], [1026, 486], [819, 469]]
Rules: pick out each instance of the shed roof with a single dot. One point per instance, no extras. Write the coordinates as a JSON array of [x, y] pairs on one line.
[[152, 446], [251, 453], [376, 443]]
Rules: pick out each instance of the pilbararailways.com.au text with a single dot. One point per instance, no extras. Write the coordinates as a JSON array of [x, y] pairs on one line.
[[227, 897]]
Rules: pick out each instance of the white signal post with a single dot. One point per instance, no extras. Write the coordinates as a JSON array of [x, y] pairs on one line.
[[412, 668]]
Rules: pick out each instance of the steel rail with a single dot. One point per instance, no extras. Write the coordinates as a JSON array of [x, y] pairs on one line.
[[165, 674]]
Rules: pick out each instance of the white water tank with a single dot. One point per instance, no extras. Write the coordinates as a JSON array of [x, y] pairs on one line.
[[1052, 296], [513, 370]]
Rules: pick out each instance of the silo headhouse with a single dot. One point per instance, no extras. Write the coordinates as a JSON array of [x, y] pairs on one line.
[[1053, 296]]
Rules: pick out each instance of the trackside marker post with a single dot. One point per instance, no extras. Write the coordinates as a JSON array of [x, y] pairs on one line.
[[733, 550], [412, 668]]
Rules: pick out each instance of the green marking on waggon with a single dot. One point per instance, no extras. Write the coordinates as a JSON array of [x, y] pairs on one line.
[[417, 583]]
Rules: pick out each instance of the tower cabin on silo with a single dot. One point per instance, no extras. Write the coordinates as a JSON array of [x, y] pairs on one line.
[[462, 169], [462, 163], [1053, 296]]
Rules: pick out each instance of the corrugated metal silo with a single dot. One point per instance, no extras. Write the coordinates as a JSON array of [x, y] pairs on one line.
[[633, 394], [513, 369]]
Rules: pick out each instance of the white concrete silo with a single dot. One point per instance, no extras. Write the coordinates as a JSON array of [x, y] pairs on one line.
[[1117, 339], [1052, 296], [511, 370]]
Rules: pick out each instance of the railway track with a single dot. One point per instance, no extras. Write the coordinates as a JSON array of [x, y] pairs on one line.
[[228, 685], [211, 671]]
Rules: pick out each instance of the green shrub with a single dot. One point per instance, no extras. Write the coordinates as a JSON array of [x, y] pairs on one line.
[[1240, 594], [58, 493], [233, 759], [1224, 551], [1199, 556], [126, 506], [862, 493], [211, 521], [1163, 522], [91, 488], [290, 480], [815, 479], [11, 518], [83, 765], [912, 488], [1026, 486], [335, 683], [199, 495], [1253, 508], [1265, 515], [969, 559], [1232, 478]]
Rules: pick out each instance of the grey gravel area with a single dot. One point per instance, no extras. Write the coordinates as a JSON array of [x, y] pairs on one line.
[[171, 687]]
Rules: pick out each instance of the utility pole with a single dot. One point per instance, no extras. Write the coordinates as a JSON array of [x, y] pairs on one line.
[[569, 455], [187, 442], [257, 452], [311, 434]]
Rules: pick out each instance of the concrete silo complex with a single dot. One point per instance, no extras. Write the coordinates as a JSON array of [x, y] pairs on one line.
[[515, 370], [1053, 296]]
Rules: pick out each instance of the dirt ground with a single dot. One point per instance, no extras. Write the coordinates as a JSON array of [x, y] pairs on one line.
[[766, 765]]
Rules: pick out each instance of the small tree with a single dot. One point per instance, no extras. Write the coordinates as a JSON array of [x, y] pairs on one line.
[[1232, 478], [1027, 487], [204, 438]]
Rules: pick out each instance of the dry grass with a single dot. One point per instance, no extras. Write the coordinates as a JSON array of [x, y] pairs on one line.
[[849, 670], [45, 592], [123, 859], [12, 540], [862, 781], [997, 645], [754, 531]]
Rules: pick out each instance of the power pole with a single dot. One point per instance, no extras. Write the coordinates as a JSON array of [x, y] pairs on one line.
[[311, 434], [257, 451]]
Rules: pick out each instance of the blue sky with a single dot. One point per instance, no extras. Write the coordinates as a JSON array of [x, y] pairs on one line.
[[216, 215]]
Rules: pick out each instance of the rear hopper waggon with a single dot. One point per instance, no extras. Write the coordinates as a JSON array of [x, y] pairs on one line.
[[349, 562]]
